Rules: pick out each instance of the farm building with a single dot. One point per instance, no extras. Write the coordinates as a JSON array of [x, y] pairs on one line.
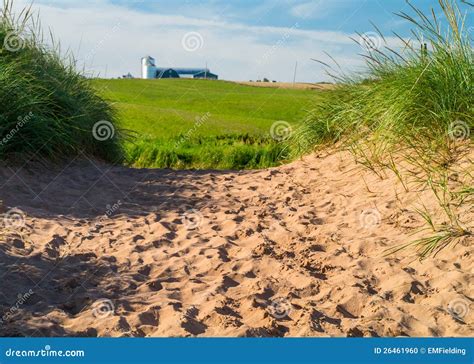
[[151, 71]]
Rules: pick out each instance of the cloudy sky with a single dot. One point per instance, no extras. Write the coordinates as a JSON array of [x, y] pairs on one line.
[[238, 40]]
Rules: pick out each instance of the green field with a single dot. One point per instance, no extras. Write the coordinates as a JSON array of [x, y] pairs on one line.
[[182, 123]]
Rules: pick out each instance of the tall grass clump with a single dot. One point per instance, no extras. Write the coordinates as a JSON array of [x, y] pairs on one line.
[[230, 151], [414, 103], [410, 95], [48, 109]]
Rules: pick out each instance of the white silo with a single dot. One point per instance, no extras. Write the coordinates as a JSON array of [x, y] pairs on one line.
[[148, 68]]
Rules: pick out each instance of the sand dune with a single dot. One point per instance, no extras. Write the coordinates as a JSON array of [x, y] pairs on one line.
[[291, 251]]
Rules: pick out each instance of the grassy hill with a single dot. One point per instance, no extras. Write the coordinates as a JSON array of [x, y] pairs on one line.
[[182, 123]]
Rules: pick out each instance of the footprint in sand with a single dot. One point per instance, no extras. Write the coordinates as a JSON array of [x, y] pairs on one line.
[[191, 324], [154, 286]]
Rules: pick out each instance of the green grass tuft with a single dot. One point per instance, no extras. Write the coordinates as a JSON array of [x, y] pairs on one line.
[[182, 123], [230, 151], [410, 97], [413, 104], [48, 109]]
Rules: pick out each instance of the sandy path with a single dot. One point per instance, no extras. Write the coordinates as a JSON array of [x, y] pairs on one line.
[[292, 251]]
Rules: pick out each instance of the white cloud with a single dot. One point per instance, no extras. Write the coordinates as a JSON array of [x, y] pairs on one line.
[[105, 36], [318, 9]]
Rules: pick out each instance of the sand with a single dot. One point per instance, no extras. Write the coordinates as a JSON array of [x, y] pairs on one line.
[[291, 251]]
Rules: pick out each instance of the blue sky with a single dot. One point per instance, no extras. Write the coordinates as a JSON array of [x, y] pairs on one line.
[[239, 40], [345, 15]]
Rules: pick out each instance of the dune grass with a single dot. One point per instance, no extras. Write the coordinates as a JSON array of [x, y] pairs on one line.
[[413, 104], [406, 95], [48, 110], [183, 123], [229, 151]]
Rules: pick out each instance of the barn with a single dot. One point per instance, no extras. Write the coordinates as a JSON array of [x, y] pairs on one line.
[[151, 71]]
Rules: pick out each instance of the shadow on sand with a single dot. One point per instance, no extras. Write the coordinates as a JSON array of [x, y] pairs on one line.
[[57, 281]]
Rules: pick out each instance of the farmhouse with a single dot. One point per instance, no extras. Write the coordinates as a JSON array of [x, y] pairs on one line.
[[151, 71]]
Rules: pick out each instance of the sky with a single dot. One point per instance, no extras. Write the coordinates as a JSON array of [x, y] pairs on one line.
[[238, 40]]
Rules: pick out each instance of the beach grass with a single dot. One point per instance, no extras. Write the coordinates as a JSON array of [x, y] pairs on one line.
[[49, 110], [414, 103], [228, 151], [407, 96]]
